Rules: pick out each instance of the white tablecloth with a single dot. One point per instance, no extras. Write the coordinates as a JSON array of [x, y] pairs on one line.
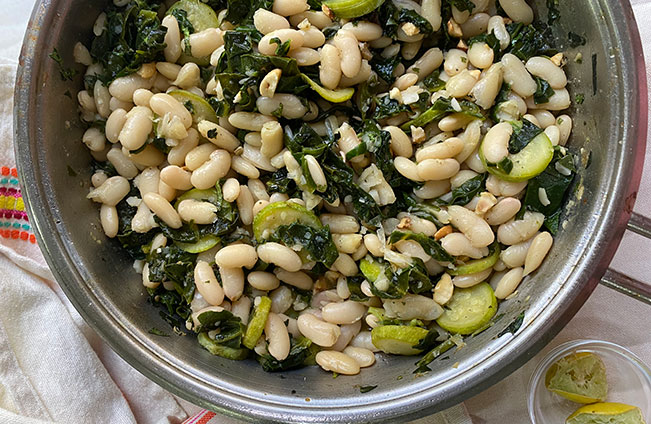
[[131, 398]]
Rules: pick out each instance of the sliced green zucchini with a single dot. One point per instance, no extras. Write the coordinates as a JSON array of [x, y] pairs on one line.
[[206, 242], [352, 8], [469, 309], [478, 265], [282, 213], [235, 353], [334, 96], [398, 339], [529, 162], [370, 269], [257, 322], [201, 109], [208, 195], [200, 15]]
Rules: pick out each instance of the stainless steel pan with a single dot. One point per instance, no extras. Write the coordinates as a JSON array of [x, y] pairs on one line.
[[99, 280]]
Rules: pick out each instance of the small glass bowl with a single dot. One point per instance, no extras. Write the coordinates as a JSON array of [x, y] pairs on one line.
[[629, 381]]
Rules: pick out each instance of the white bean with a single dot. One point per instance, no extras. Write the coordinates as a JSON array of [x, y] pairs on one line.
[[121, 163], [518, 10], [437, 169], [488, 86], [232, 282], [351, 57], [249, 120], [236, 256], [544, 68], [264, 281], [431, 60], [203, 213], [433, 189], [480, 55], [163, 209], [111, 191], [172, 39], [245, 205], [320, 332], [515, 255], [136, 128], [443, 290], [219, 135], [123, 88], [340, 224], [412, 306], [364, 357], [537, 252], [469, 280], [516, 75], [289, 7], [268, 47], [508, 283], [176, 177], [330, 68], [207, 175], [472, 226], [109, 220], [517, 231], [277, 335], [94, 140], [455, 61], [347, 312], [338, 362], [457, 244], [207, 284], [282, 256], [503, 211]]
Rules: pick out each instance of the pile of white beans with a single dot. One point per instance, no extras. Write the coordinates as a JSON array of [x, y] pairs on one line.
[[443, 155]]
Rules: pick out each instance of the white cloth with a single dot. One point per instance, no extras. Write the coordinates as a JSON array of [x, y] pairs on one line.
[[54, 368]]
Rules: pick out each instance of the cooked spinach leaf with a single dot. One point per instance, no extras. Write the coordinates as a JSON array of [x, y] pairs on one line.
[[132, 37], [230, 327], [530, 40], [299, 354], [130, 240], [174, 309], [514, 326], [422, 364], [461, 5], [354, 286], [283, 48], [543, 91], [576, 40], [490, 40], [433, 83], [553, 12], [441, 107], [240, 12], [393, 16], [555, 180], [176, 265], [412, 279], [366, 389], [418, 208], [385, 67], [523, 132], [386, 107], [431, 246], [185, 25], [67, 74], [316, 242], [156, 332], [463, 194]]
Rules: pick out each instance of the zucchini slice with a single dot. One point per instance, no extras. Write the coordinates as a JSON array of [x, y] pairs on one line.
[[257, 322], [529, 162], [281, 213], [478, 265], [334, 96], [352, 8], [235, 353], [398, 339], [201, 109], [469, 309]]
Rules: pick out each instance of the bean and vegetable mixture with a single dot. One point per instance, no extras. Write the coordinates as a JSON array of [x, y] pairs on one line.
[[313, 182]]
